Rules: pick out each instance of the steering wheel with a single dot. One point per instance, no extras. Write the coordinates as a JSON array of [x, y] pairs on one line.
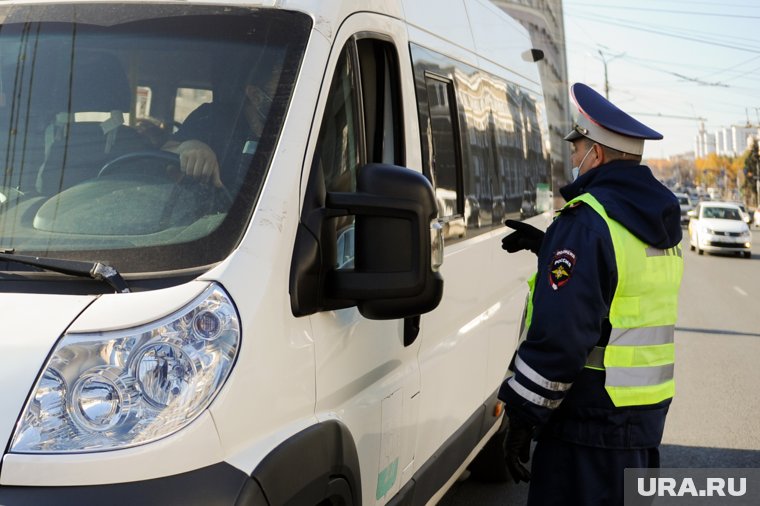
[[167, 156], [221, 198]]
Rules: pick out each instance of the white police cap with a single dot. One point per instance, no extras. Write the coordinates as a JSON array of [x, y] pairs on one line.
[[602, 122]]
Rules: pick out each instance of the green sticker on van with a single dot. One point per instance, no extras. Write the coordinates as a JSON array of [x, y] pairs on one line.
[[386, 479]]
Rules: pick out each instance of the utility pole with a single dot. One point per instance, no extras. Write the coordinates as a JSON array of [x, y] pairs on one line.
[[606, 79]]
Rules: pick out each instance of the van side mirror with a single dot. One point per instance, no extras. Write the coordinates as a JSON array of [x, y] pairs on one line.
[[394, 273], [532, 55], [692, 214]]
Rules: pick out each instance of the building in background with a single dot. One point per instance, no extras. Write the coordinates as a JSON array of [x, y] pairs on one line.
[[731, 141], [740, 137], [705, 142]]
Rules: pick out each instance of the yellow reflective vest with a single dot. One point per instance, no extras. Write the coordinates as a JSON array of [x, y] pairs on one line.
[[639, 358]]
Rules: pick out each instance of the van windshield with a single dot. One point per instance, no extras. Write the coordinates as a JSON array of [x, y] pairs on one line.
[[139, 135]]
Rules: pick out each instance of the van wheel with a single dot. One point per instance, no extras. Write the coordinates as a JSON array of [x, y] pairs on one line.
[[490, 464], [339, 493]]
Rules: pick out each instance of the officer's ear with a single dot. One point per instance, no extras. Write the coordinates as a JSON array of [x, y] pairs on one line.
[[600, 157]]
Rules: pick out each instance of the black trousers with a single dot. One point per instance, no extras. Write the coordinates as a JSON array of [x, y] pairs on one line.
[[567, 474]]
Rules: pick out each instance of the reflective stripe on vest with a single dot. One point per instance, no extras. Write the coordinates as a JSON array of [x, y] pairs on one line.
[[638, 360]]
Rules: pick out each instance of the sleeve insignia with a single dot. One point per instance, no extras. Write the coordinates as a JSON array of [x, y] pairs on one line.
[[561, 268]]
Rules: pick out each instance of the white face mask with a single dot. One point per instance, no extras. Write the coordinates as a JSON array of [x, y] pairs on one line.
[[577, 169]]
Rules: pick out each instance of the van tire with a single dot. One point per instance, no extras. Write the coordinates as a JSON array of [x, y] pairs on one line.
[[339, 493], [490, 464]]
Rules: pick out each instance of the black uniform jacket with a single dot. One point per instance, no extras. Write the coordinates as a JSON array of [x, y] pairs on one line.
[[575, 283]]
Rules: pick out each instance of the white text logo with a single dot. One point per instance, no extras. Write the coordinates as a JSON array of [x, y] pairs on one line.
[[661, 487]]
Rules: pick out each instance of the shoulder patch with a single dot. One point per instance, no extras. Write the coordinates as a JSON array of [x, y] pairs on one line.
[[561, 268], [572, 206]]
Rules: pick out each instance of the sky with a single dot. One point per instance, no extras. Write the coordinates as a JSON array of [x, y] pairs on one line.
[[670, 63]]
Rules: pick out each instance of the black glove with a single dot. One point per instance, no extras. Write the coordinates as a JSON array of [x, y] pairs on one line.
[[524, 237], [517, 445]]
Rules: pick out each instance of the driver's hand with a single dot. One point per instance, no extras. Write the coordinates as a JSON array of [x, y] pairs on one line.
[[198, 161]]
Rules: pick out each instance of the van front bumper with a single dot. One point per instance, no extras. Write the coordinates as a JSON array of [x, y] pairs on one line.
[[220, 484]]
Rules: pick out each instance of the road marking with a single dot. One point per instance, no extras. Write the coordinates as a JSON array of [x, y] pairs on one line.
[[740, 291]]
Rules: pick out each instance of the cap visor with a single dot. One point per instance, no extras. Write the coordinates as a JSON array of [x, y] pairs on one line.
[[574, 134]]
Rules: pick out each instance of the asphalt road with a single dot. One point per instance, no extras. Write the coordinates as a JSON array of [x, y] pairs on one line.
[[714, 420]]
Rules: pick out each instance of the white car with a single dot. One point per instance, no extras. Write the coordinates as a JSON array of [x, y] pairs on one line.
[[718, 227]]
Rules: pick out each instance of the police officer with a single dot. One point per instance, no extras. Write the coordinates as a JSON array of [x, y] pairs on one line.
[[594, 377]]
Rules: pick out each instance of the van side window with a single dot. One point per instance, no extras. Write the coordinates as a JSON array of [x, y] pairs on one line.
[[338, 148], [483, 143], [361, 124], [445, 159], [380, 91]]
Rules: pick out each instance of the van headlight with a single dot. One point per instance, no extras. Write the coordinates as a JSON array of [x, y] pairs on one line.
[[112, 390]]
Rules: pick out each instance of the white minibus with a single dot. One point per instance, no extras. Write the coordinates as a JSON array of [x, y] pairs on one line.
[[250, 251]]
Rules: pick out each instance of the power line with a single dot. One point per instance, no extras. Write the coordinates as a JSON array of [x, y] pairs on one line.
[[697, 36], [674, 116], [691, 3], [735, 66], [744, 74], [637, 61], [666, 11], [712, 71], [678, 28], [668, 29], [658, 32], [699, 81], [702, 72]]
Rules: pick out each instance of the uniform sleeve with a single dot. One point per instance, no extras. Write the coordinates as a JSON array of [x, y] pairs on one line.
[[197, 126], [575, 282]]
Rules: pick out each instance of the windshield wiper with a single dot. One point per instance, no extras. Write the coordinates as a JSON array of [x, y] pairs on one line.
[[94, 270]]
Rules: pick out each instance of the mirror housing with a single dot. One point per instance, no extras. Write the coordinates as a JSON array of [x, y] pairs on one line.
[[532, 55], [394, 275], [691, 214]]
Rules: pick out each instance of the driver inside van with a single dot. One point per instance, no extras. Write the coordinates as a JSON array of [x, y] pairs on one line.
[[216, 142]]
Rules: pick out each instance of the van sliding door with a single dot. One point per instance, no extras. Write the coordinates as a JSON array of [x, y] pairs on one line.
[[365, 374]]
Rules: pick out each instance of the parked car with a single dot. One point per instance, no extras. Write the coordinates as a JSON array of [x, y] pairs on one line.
[[686, 206], [718, 227]]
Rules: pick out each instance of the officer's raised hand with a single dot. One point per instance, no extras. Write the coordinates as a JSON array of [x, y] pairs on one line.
[[517, 446], [524, 237]]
